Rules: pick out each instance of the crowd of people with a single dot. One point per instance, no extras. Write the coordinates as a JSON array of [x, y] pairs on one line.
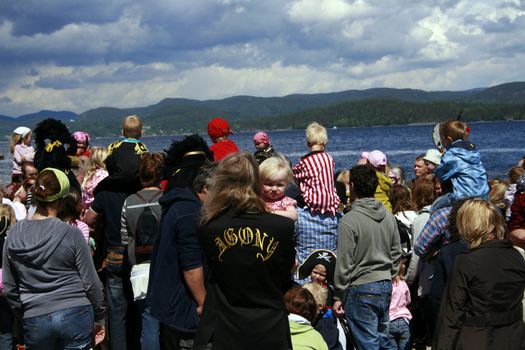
[[202, 247]]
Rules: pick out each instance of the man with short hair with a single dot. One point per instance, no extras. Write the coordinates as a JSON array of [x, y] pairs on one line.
[[368, 256], [420, 168]]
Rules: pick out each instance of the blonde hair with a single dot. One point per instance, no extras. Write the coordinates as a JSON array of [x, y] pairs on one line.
[[319, 292], [95, 161], [17, 139], [344, 176], [273, 166], [479, 221], [455, 129], [498, 188], [8, 213], [237, 185], [316, 134], [132, 126]]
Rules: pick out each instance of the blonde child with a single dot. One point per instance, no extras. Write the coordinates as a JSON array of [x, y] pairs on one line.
[[94, 173], [399, 334], [21, 150], [317, 222], [124, 156], [276, 175]]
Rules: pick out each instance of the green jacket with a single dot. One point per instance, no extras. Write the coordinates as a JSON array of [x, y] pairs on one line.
[[304, 336]]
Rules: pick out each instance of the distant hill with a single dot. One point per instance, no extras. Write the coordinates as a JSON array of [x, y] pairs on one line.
[[346, 108]]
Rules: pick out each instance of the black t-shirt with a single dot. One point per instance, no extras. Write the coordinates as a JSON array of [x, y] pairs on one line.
[[109, 204], [250, 258]]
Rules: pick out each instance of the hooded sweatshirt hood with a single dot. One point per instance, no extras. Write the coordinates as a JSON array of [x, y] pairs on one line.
[[177, 194], [35, 249], [370, 207]]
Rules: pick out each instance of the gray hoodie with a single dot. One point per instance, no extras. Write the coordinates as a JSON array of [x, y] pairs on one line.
[[47, 267], [368, 246]]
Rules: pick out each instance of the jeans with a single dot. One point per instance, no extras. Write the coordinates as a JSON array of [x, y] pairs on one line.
[[399, 335], [117, 306], [150, 337], [6, 325], [71, 328], [366, 310]]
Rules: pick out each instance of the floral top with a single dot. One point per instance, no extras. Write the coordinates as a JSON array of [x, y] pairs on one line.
[[89, 187], [281, 204]]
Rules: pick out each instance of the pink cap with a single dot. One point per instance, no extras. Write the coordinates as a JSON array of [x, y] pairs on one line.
[[377, 158], [261, 137]]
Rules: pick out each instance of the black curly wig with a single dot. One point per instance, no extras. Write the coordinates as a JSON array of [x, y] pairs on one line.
[[52, 130], [184, 159]]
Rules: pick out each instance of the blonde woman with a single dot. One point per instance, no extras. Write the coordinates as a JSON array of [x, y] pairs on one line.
[[482, 304], [94, 173], [250, 255]]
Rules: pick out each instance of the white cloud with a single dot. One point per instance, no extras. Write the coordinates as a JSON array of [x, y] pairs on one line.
[[137, 53]]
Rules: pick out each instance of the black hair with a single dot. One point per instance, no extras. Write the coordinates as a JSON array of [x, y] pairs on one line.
[[364, 180]]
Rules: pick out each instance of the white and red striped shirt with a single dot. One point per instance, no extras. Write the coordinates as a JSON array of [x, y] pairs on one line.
[[315, 176]]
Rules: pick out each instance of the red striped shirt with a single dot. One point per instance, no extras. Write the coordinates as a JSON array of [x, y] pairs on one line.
[[315, 176]]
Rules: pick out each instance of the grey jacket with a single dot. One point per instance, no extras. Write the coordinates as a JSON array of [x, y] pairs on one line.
[[368, 246], [47, 267]]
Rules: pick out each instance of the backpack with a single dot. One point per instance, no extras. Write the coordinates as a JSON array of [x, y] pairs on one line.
[[141, 245], [404, 233]]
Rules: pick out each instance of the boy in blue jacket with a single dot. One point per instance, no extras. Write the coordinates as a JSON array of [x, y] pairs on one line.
[[460, 164]]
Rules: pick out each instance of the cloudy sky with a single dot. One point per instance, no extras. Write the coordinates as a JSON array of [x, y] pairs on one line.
[[77, 55]]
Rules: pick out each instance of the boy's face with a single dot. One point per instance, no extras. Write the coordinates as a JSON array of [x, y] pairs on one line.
[[318, 274]]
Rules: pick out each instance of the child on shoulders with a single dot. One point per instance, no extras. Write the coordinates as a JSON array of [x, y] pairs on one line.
[[21, 150], [317, 222], [275, 177], [264, 147]]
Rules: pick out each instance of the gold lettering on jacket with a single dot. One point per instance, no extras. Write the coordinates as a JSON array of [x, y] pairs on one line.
[[245, 236]]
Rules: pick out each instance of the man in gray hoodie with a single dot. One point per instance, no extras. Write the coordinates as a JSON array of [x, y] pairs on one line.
[[368, 256]]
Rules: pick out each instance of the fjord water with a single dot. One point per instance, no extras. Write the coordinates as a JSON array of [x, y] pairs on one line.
[[498, 142]]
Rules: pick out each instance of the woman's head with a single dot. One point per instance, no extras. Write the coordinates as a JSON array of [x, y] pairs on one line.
[[51, 185], [423, 193], [301, 302], [151, 169], [276, 175], [400, 198], [478, 221], [236, 185]]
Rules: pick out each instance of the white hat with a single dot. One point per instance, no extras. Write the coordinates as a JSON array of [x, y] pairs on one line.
[[22, 130], [433, 156]]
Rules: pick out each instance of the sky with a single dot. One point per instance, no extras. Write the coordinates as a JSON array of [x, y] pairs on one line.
[[79, 55]]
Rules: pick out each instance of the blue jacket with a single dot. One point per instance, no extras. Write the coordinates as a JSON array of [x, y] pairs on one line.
[[461, 164], [176, 249]]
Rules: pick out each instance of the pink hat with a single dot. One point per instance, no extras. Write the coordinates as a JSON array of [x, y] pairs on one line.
[[377, 158], [364, 155], [261, 137], [218, 127], [81, 136]]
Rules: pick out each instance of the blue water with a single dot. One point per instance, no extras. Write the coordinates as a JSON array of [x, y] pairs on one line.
[[498, 143]]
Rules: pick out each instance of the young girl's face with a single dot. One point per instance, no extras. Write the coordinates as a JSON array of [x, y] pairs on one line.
[[274, 187], [27, 140], [318, 274]]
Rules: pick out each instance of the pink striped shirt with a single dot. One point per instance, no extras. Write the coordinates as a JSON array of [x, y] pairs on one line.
[[315, 176]]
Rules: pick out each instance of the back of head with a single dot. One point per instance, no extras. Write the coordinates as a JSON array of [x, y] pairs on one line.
[[301, 302], [132, 127], [423, 193], [498, 189], [316, 134], [52, 130], [515, 173], [236, 185], [364, 180], [98, 157], [478, 221], [274, 165], [319, 293], [51, 185], [151, 169], [455, 129], [68, 207], [400, 198], [7, 218]]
